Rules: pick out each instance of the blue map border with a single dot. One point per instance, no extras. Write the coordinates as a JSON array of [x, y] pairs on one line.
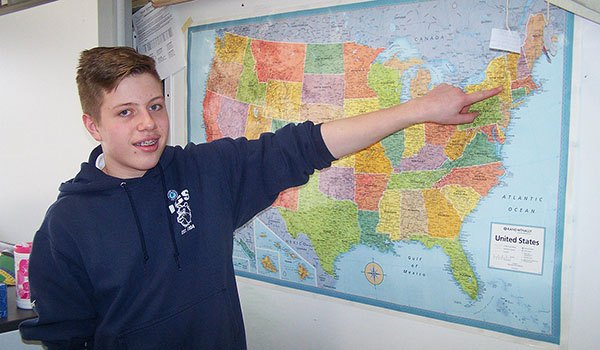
[[554, 337]]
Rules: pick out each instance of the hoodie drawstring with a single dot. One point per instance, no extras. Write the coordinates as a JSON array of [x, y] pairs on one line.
[[139, 225], [171, 231]]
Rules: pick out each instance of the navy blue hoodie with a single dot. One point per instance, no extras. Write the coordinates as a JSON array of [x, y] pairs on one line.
[[145, 263]]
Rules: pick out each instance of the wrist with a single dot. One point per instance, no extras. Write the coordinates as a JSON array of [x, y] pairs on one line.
[[416, 111]]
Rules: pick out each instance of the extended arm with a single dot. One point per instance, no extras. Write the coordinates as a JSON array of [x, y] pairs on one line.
[[445, 104]]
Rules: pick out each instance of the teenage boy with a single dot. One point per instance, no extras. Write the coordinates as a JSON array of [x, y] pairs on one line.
[[136, 251]]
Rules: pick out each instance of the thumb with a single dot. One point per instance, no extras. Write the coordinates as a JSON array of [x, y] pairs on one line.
[[465, 118]]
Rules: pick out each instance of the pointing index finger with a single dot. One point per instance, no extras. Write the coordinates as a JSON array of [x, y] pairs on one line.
[[482, 95]]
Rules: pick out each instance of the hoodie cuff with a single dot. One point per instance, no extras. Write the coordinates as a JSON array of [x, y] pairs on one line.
[[320, 146]]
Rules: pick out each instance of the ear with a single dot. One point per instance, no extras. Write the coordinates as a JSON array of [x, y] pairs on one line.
[[91, 126]]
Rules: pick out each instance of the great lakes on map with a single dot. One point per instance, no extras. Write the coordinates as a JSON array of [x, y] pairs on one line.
[[389, 225]]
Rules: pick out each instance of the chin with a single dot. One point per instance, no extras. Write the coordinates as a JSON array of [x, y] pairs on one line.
[[148, 164]]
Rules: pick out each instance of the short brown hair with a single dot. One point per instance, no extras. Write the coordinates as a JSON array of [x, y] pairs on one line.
[[101, 69]]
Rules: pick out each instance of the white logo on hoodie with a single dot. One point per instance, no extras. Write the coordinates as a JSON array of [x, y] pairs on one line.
[[181, 206]]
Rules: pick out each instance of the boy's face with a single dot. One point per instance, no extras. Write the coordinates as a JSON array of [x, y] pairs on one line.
[[133, 126]]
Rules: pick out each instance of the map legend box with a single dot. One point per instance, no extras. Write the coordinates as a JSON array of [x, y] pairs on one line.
[[517, 248]]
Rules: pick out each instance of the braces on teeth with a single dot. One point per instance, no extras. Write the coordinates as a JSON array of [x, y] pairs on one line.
[[147, 143]]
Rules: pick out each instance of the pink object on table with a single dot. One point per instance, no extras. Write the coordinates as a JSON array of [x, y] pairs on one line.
[[22, 252]]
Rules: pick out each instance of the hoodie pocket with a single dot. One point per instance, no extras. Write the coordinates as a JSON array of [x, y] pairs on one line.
[[210, 323]]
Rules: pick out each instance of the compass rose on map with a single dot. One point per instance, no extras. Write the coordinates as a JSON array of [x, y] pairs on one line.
[[374, 273]]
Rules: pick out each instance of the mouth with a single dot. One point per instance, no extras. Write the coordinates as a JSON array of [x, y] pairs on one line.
[[146, 143]]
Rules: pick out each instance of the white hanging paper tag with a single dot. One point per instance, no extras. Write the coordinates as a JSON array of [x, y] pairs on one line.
[[505, 40]]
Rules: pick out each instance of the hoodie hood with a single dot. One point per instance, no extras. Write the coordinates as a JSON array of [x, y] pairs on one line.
[[91, 178]]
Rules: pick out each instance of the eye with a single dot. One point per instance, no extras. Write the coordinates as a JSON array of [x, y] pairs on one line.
[[125, 113], [156, 107]]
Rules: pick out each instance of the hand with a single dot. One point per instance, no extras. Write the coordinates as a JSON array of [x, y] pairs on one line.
[[447, 104]]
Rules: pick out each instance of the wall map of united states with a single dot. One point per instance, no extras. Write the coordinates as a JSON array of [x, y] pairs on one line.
[[418, 184], [461, 223]]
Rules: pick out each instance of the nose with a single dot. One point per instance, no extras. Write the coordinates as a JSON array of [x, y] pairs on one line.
[[145, 121]]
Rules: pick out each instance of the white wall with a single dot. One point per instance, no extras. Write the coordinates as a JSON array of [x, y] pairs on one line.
[[42, 140], [42, 143], [582, 231]]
